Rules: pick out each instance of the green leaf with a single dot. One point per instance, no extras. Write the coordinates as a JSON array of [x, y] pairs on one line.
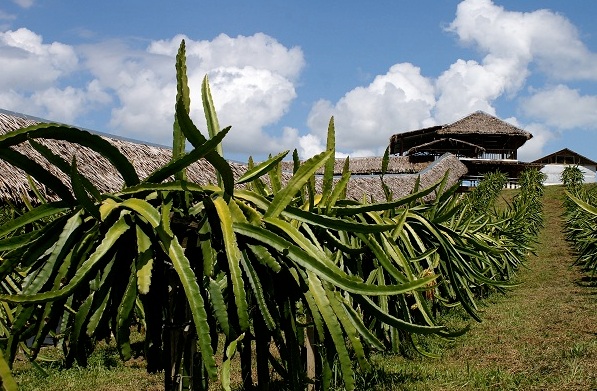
[[213, 126], [14, 242], [264, 257], [331, 274], [40, 212], [383, 206], [38, 172], [182, 162], [8, 382], [384, 316], [226, 364], [261, 169], [219, 306], [259, 293], [385, 161], [144, 208], [333, 326], [223, 170], [76, 136], [81, 193], [112, 235], [63, 165], [123, 318], [195, 299], [35, 281], [182, 98], [300, 178], [144, 262], [328, 172], [234, 257]]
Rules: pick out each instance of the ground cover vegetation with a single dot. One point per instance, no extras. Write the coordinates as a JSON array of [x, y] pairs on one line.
[[298, 282]]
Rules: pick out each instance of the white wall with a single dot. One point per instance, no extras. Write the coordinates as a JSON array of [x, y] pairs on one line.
[[554, 173]]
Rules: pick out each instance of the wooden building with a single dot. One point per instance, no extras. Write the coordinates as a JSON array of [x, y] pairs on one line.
[[555, 163], [482, 142]]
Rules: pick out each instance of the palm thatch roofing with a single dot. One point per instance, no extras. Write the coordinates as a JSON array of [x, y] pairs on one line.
[[566, 156], [372, 165], [146, 158], [370, 186], [479, 129]]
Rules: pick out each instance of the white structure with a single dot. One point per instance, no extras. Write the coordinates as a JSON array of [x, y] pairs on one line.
[[555, 164]]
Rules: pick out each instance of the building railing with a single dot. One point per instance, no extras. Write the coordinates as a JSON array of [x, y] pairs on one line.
[[473, 181]]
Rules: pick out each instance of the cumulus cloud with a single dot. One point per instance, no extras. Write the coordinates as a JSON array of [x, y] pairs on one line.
[[542, 36], [29, 64], [32, 72], [534, 148], [252, 82], [366, 117], [562, 107]]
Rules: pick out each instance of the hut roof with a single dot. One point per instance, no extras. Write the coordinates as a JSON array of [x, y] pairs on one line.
[[370, 186], [146, 158], [565, 156], [372, 165], [478, 128]]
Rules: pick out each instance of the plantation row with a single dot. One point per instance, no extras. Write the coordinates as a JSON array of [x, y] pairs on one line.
[[297, 281], [581, 218]]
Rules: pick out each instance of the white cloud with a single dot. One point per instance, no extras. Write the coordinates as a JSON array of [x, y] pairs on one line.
[[534, 148], [542, 36], [24, 3], [28, 64], [366, 117], [562, 107], [32, 72], [251, 80]]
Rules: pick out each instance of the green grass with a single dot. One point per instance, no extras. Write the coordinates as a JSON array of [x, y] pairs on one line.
[[104, 372], [540, 335]]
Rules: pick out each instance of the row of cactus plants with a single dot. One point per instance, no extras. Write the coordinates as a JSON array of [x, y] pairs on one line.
[[285, 275], [581, 218]]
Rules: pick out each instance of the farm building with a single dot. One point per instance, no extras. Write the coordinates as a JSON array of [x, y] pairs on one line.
[[482, 142], [555, 163], [365, 181]]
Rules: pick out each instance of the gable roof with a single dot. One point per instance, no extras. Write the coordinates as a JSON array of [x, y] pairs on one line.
[[479, 128], [565, 156]]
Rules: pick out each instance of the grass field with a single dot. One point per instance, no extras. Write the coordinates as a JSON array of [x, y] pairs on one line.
[[541, 335]]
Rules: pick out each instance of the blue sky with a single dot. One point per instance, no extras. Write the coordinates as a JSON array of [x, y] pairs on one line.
[[279, 70]]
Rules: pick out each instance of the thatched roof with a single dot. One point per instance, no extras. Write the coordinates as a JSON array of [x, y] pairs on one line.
[[566, 156], [370, 186], [144, 157], [365, 180], [478, 128], [372, 165]]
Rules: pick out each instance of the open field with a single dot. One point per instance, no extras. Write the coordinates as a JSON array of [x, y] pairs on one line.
[[541, 335]]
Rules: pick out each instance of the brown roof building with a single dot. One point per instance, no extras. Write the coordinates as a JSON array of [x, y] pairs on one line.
[[483, 143]]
